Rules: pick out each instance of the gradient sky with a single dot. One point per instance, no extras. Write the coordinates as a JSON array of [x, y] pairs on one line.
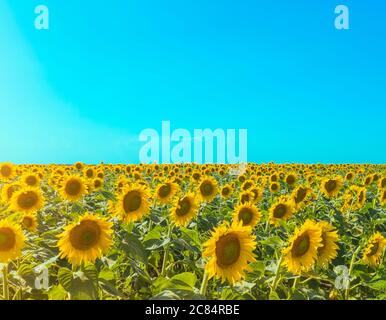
[[104, 71]]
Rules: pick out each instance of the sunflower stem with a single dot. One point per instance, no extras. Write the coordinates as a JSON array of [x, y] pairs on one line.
[[276, 279], [166, 253], [294, 286], [5, 282], [204, 284], [347, 291]]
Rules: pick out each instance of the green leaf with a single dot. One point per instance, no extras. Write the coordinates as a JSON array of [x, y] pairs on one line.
[[57, 293], [186, 278], [379, 285], [135, 248]]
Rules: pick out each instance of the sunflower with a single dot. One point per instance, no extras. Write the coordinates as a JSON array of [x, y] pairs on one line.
[[184, 209], [230, 250], [382, 183], [274, 187], [226, 191], [247, 213], [329, 249], [246, 196], [27, 200], [382, 196], [73, 188], [89, 173], [300, 195], [257, 194], [30, 179], [331, 186], [29, 222], [302, 251], [97, 184], [349, 176], [86, 240], [291, 179], [207, 188], [8, 190], [281, 210], [373, 252], [7, 171], [166, 191], [133, 203], [11, 241]]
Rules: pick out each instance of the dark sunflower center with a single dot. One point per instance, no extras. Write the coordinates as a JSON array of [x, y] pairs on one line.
[[383, 183], [97, 183], [132, 201], [184, 207], [349, 176], [361, 196], [85, 235], [31, 180], [374, 248], [206, 188], [301, 245], [6, 171], [274, 187], [228, 250], [27, 200], [225, 191], [73, 187], [330, 185], [290, 179], [89, 173], [164, 190], [245, 197], [7, 239], [245, 215], [247, 185], [255, 193], [324, 242], [10, 191], [196, 176], [300, 195], [280, 210], [27, 222]]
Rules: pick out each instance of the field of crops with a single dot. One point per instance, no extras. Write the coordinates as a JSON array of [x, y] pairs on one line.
[[190, 231]]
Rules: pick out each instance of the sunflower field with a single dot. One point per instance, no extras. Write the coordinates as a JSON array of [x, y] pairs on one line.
[[190, 231]]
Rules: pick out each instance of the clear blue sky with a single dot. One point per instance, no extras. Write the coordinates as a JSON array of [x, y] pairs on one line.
[[104, 71]]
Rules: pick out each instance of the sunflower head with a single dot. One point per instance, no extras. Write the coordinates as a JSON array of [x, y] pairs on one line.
[[133, 202], [73, 188], [184, 209], [291, 179], [300, 195], [8, 190], [166, 191], [229, 250], [329, 249], [247, 213], [11, 241], [207, 188], [7, 171], [27, 200], [29, 222], [274, 187], [86, 240], [226, 191], [281, 210], [302, 251], [373, 252], [331, 186], [382, 196]]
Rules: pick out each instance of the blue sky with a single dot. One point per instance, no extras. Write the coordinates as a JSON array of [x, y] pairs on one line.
[[104, 71]]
